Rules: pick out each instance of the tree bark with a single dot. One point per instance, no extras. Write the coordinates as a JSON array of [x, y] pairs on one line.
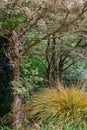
[[51, 60], [17, 103], [60, 69], [60, 73]]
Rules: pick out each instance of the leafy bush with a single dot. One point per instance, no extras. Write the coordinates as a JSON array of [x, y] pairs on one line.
[[60, 106], [4, 128]]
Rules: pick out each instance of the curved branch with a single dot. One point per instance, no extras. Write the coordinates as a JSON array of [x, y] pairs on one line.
[[56, 31], [45, 37], [70, 65]]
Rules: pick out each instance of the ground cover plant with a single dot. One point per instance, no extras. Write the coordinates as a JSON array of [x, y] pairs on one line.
[[63, 107]]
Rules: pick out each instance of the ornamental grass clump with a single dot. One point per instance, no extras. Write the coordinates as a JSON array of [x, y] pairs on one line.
[[62, 105]]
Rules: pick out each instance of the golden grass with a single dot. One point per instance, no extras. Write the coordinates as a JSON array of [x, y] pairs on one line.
[[52, 103]]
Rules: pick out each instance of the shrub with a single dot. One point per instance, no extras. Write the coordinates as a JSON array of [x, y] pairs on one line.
[[4, 128], [62, 106], [52, 127]]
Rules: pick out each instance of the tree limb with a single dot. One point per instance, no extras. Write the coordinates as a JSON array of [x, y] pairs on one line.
[[45, 37], [70, 65], [56, 31]]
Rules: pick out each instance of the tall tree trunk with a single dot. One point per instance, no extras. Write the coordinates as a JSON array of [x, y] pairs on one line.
[[17, 103], [51, 60], [60, 69], [60, 73], [53, 63], [48, 62]]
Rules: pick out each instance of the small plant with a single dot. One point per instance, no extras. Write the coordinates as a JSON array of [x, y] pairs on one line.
[[4, 128], [62, 106], [50, 126]]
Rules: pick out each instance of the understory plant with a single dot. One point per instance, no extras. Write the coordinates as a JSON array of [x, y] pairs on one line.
[[61, 106]]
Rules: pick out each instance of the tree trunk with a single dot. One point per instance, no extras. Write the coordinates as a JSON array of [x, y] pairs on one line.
[[17, 104], [51, 59], [60, 73], [60, 69]]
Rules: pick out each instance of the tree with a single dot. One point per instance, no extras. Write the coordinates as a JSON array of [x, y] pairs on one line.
[[18, 18], [62, 52]]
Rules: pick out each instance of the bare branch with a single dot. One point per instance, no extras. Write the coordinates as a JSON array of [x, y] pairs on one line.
[[38, 53], [70, 65]]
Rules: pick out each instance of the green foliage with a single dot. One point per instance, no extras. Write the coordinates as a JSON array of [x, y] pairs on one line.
[[32, 75], [75, 73], [31, 37], [13, 22], [4, 128], [50, 126], [9, 18]]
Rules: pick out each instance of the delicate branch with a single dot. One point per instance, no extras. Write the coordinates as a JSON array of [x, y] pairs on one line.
[[37, 53], [78, 42], [64, 58], [66, 61], [70, 65]]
